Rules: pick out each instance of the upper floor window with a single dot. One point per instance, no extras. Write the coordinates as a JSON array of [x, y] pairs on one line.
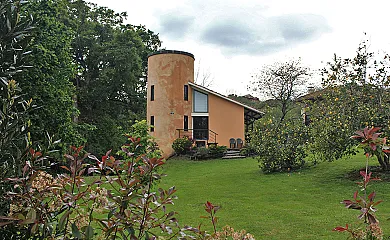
[[200, 102], [152, 93], [185, 92]]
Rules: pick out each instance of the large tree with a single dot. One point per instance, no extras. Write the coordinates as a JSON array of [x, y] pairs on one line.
[[279, 136], [355, 96], [283, 82], [111, 61], [48, 83], [90, 71]]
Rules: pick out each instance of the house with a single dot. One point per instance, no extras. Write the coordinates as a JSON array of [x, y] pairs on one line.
[[178, 107]]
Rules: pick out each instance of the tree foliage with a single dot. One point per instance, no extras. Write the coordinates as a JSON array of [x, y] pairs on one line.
[[283, 82], [355, 96], [15, 35], [89, 74], [111, 61], [279, 137], [48, 82], [280, 147]]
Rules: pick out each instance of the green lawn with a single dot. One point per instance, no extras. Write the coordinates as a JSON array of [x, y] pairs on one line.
[[304, 205]]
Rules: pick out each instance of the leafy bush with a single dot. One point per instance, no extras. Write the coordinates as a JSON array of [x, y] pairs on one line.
[[50, 207], [216, 151], [147, 144], [248, 151], [15, 35], [182, 145], [280, 146], [212, 152], [201, 154]]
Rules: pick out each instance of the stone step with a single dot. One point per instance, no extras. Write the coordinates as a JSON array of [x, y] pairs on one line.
[[232, 151], [228, 155], [233, 156]]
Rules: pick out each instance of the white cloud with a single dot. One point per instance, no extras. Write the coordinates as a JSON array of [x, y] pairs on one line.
[[235, 37]]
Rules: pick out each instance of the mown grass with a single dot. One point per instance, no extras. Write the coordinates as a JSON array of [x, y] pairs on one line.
[[301, 205]]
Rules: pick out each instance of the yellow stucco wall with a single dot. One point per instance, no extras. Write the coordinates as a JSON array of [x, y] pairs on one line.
[[169, 72], [226, 119]]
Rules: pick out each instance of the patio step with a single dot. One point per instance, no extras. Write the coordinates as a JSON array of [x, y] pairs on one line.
[[233, 157], [230, 154]]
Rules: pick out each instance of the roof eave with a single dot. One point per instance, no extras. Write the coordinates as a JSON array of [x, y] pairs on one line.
[[199, 87]]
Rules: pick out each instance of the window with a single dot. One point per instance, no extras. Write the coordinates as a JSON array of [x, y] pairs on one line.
[[201, 128], [152, 93], [152, 123], [200, 102], [185, 92], [185, 123]]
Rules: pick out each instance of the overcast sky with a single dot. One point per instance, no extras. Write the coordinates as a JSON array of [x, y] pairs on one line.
[[232, 39]]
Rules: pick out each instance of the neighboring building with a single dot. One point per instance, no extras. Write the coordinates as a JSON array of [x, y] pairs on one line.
[[177, 107]]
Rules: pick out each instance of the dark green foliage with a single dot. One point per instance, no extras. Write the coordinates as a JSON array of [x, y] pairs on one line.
[[279, 146], [200, 153], [216, 151], [140, 132], [182, 145], [212, 152], [15, 34], [48, 83], [89, 74], [111, 61], [14, 37]]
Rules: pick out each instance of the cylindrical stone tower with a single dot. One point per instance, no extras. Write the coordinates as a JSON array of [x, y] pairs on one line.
[[169, 98]]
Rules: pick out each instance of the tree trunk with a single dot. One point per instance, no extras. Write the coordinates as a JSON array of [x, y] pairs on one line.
[[384, 162]]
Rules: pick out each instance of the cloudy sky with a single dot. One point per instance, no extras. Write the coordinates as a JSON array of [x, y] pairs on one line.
[[232, 39]]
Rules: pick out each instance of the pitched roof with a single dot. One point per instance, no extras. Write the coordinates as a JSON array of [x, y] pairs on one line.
[[201, 88]]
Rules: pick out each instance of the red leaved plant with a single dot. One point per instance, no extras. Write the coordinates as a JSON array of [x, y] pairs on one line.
[[372, 145]]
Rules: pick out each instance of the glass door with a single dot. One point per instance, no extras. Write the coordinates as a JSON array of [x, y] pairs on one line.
[[201, 128]]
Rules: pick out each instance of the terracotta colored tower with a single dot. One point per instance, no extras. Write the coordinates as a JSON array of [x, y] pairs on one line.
[[169, 98]]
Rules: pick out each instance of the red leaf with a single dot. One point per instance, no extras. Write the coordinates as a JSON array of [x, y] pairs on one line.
[[373, 146], [31, 151], [376, 203], [65, 167], [355, 195], [108, 152], [341, 229], [371, 196], [375, 136]]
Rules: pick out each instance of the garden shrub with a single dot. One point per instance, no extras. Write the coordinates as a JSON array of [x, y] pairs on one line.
[[216, 151], [201, 154], [280, 146], [182, 145], [44, 206], [248, 151], [147, 144], [212, 152]]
